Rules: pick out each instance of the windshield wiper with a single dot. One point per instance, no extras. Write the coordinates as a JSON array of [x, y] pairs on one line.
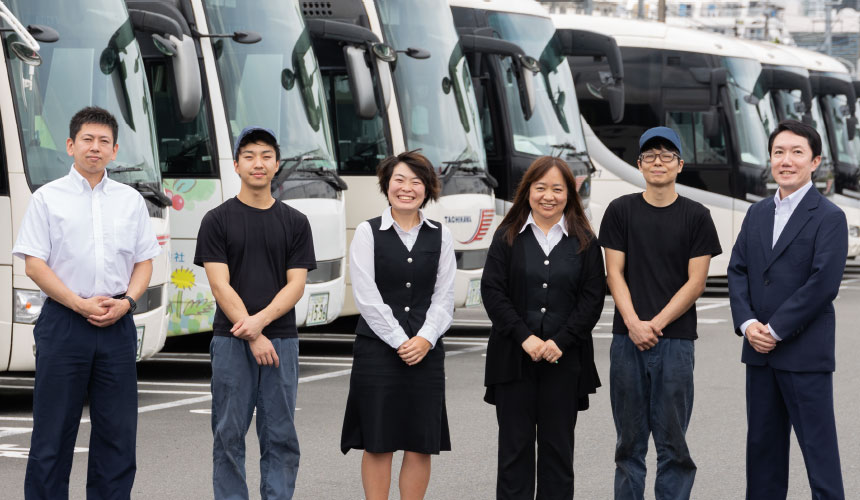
[[122, 170], [572, 149], [151, 192], [330, 175], [455, 166]]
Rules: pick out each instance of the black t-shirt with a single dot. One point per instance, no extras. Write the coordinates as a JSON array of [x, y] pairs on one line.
[[258, 247], [658, 243]]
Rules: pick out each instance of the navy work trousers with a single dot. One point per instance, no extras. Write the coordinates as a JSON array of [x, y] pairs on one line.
[[75, 361]]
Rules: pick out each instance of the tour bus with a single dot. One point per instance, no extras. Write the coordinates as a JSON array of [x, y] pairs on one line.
[[525, 90], [789, 89], [210, 76], [69, 56], [396, 79], [702, 85]]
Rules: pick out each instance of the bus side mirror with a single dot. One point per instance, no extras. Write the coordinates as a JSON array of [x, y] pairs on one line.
[[526, 84], [360, 82], [186, 71], [851, 123], [711, 123], [614, 95]]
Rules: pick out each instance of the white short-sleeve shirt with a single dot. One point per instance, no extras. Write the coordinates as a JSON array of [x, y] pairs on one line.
[[90, 237]]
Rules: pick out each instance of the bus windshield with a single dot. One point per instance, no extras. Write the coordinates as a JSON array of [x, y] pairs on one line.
[[556, 115], [96, 62], [745, 96], [836, 106], [274, 83], [437, 103]]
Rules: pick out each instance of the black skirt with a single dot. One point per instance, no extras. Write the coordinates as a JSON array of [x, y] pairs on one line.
[[392, 406]]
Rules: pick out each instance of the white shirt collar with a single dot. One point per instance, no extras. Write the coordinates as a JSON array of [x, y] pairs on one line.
[[560, 224], [79, 180], [388, 220], [794, 198]]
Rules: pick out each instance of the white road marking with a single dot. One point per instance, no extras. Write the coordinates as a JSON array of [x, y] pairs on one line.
[[12, 431], [15, 451], [153, 391]]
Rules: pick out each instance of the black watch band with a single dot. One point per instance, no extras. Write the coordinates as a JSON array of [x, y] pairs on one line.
[[131, 302]]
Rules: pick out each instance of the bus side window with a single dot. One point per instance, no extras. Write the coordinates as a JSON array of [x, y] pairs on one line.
[[697, 149], [184, 149]]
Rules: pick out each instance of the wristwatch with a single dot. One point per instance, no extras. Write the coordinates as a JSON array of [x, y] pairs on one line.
[[131, 302]]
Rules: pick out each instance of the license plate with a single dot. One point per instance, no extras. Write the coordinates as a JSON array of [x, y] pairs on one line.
[[473, 296], [139, 342], [317, 309]]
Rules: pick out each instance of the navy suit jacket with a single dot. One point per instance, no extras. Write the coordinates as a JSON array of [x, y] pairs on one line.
[[792, 284]]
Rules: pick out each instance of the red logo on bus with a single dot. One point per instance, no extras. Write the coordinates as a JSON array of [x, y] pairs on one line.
[[484, 225]]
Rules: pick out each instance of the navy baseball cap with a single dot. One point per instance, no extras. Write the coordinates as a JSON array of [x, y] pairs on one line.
[[244, 133], [663, 133]]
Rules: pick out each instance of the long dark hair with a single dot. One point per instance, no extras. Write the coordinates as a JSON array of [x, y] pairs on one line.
[[574, 215]]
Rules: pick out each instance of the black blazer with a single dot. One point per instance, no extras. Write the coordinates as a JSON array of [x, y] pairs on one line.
[[503, 292]]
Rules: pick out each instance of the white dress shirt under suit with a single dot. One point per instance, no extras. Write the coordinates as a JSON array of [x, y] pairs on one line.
[[782, 212], [90, 237], [547, 241], [378, 315]]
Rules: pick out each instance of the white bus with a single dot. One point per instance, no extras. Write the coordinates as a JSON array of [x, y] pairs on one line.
[[94, 60], [525, 88], [396, 80], [702, 85], [210, 76], [789, 88]]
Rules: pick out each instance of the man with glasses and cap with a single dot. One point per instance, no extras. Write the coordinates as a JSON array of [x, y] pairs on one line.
[[257, 253], [658, 247]]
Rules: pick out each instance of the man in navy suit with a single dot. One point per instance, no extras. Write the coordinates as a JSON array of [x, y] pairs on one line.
[[784, 274]]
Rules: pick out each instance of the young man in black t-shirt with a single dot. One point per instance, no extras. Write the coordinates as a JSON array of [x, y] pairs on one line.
[[257, 252], [658, 248]]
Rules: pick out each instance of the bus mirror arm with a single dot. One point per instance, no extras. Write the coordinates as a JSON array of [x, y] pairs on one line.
[[525, 66], [714, 77], [575, 43]]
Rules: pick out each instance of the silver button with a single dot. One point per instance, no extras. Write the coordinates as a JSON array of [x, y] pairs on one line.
[[406, 308], [544, 285], [546, 262], [409, 260], [542, 310], [408, 285]]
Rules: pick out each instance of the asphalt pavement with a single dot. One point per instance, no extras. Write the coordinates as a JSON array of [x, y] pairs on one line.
[[175, 443]]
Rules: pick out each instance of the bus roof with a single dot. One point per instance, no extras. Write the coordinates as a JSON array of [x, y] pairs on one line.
[[654, 35], [530, 7], [815, 61], [771, 53]]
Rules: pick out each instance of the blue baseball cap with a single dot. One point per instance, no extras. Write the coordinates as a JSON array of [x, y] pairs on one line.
[[663, 133], [248, 130]]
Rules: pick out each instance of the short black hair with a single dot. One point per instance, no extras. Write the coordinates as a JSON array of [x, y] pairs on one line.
[[96, 115], [259, 136], [658, 142], [419, 164], [798, 128]]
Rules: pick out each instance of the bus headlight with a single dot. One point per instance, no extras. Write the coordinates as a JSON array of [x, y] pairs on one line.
[[854, 231], [27, 306]]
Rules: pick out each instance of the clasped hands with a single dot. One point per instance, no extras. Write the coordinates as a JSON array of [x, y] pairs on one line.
[[413, 350], [250, 328], [102, 311], [538, 349], [760, 338]]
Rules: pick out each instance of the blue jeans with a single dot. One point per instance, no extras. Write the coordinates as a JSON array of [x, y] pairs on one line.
[[651, 392], [238, 385]]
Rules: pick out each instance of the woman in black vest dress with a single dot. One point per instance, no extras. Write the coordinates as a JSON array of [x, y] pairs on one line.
[[543, 288], [402, 267]]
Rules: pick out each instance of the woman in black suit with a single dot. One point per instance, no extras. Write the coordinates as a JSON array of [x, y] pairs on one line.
[[543, 288]]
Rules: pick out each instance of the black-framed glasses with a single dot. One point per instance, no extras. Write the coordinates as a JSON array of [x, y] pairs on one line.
[[665, 157]]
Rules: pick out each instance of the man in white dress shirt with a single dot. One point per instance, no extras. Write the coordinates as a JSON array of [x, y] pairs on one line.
[[88, 244]]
